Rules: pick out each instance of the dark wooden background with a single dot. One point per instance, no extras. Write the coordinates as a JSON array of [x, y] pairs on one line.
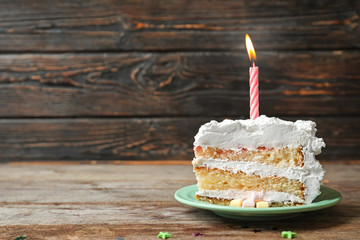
[[134, 80]]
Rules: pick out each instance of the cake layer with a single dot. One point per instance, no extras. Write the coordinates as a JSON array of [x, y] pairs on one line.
[[280, 157], [226, 202], [216, 179], [231, 194]]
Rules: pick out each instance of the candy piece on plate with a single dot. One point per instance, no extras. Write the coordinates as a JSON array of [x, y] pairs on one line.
[[262, 204], [236, 203]]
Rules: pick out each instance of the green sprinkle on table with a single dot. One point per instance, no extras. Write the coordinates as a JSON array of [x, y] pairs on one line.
[[20, 238], [288, 234], [164, 235]]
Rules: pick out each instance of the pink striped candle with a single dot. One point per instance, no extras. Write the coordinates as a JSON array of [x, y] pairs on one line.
[[254, 91], [254, 80]]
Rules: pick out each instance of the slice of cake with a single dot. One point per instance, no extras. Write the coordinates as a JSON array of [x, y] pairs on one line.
[[265, 162]]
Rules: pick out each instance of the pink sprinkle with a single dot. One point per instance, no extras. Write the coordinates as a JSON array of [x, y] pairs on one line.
[[198, 234], [257, 195]]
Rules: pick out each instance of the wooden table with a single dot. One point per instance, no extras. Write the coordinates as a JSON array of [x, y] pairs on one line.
[[107, 201]]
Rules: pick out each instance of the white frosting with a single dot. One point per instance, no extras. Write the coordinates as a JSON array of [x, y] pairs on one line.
[[260, 169], [261, 132], [270, 133], [269, 196]]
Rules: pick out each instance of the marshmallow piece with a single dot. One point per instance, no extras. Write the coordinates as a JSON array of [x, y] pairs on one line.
[[236, 203], [249, 203], [257, 195], [262, 204]]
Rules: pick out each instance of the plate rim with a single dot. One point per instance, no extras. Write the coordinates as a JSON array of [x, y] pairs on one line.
[[255, 211]]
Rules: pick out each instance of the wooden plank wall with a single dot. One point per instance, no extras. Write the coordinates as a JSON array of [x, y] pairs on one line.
[[134, 80]]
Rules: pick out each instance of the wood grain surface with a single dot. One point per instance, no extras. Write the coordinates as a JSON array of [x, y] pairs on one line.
[[136, 202], [139, 139], [116, 80], [178, 84], [105, 25]]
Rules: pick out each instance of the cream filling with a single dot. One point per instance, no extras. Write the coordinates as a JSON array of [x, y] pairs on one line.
[[269, 196], [310, 177]]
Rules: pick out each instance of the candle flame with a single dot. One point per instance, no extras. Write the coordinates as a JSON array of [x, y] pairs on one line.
[[250, 48]]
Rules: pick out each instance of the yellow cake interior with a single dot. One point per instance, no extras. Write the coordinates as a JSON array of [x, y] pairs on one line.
[[216, 179], [279, 157]]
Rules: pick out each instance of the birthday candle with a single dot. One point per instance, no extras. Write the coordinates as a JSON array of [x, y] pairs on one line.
[[253, 81]]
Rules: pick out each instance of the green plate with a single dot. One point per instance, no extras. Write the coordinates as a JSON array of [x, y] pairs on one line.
[[328, 198]]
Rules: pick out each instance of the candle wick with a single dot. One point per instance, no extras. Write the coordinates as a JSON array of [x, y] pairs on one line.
[[253, 63]]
